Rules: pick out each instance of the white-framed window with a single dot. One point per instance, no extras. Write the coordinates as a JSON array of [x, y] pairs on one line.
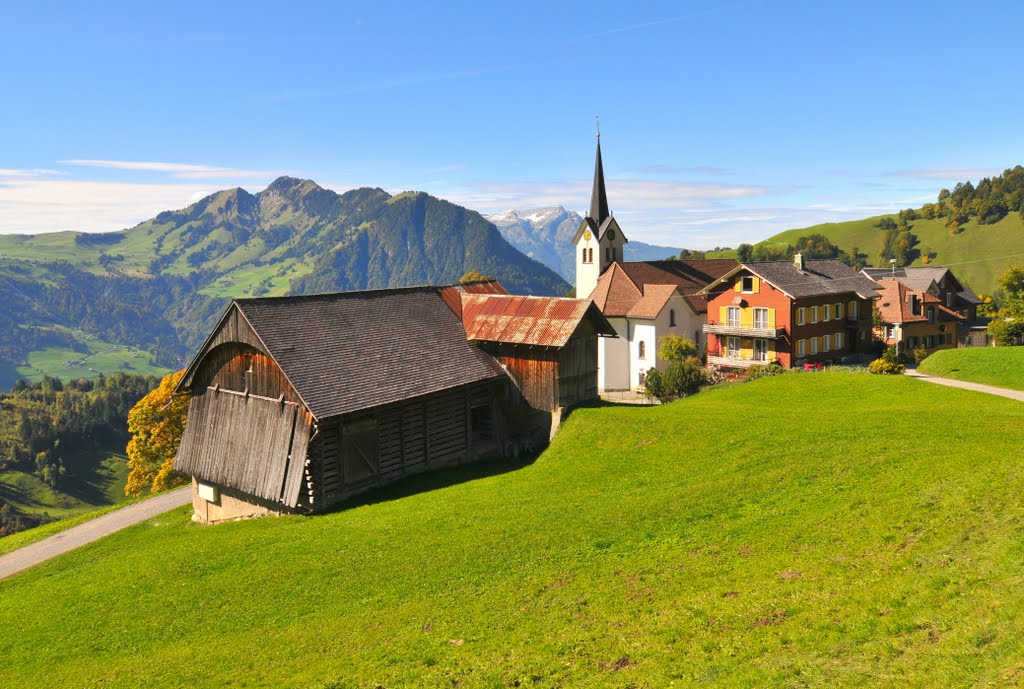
[[747, 284], [760, 317], [931, 314], [828, 312], [839, 310], [732, 347], [814, 345], [826, 343], [732, 316], [801, 348], [839, 340], [760, 349], [801, 316], [814, 314], [852, 311]]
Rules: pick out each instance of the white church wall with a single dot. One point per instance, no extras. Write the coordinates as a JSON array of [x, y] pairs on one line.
[[645, 341], [613, 358]]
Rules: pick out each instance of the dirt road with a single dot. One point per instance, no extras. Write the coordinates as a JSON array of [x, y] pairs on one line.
[[77, 536]]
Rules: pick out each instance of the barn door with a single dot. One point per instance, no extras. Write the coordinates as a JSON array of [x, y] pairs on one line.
[[360, 458]]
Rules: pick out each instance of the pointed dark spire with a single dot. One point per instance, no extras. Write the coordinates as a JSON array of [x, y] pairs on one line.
[[599, 199]]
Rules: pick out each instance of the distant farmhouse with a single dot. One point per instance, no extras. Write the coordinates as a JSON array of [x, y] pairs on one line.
[[931, 293], [298, 403]]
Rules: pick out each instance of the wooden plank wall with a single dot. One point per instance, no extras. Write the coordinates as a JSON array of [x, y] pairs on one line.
[[241, 367], [534, 370], [577, 367], [245, 442], [423, 434]]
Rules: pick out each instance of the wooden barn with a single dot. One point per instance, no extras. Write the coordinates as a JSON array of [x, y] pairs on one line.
[[298, 403]]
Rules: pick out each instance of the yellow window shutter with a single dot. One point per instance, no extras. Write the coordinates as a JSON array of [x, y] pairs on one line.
[[722, 314], [771, 319], [747, 318], [739, 285], [757, 285]]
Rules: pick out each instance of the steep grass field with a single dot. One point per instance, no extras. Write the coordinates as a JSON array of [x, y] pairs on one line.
[[978, 255], [833, 529], [999, 366]]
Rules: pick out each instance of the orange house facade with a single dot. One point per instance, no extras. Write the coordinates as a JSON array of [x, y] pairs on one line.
[[790, 313]]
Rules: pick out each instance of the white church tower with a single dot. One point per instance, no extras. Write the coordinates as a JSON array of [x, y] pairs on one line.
[[599, 241]]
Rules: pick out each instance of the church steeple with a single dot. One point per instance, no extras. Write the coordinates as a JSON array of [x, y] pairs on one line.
[[599, 198]]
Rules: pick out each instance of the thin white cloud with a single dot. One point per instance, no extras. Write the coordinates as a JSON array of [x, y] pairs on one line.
[[37, 172], [177, 170], [947, 173], [36, 205]]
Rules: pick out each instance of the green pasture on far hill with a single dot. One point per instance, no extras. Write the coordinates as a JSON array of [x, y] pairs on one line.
[[977, 256], [999, 366], [826, 529]]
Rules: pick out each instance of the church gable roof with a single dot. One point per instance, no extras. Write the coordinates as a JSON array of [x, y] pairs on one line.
[[654, 300], [615, 293], [689, 277]]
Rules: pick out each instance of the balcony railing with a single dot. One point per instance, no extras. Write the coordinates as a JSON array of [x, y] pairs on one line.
[[727, 359], [756, 330]]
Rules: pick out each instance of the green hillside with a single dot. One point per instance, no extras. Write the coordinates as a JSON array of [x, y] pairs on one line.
[[686, 545], [156, 288], [999, 366], [977, 256]]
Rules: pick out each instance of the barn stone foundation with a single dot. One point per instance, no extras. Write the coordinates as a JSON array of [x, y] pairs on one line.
[[228, 505]]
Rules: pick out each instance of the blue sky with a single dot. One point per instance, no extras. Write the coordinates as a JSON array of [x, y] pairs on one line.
[[721, 122]]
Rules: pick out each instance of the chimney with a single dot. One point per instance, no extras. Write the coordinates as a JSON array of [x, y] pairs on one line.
[[798, 261]]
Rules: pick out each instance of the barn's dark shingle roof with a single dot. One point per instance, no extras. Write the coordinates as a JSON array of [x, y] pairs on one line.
[[355, 350]]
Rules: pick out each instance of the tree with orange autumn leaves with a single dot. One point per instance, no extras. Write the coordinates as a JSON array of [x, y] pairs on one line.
[[156, 424]]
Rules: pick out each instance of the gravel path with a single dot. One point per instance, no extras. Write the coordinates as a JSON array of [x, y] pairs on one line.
[[977, 387], [90, 531]]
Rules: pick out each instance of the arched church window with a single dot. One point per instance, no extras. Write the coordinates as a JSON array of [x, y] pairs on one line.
[[590, 253], [643, 350], [671, 318]]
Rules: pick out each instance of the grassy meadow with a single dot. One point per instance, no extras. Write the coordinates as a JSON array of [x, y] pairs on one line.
[[747, 536], [999, 366]]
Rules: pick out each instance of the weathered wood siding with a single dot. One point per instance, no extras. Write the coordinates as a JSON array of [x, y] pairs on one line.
[[534, 370], [577, 367], [360, 451], [241, 367], [251, 443]]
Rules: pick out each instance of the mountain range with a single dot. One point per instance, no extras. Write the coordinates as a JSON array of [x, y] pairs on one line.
[[546, 234], [158, 286]]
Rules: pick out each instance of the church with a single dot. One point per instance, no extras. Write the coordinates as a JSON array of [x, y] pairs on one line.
[[642, 300]]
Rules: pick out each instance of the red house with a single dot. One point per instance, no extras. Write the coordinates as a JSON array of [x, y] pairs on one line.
[[792, 313]]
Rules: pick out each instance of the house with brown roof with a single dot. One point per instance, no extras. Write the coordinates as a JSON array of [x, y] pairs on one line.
[[643, 300], [788, 312], [913, 318], [941, 283], [298, 403]]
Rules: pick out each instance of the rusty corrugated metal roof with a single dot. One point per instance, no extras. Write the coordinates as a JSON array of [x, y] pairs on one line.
[[452, 294], [542, 321]]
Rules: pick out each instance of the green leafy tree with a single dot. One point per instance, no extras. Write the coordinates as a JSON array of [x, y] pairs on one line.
[[474, 275], [675, 348]]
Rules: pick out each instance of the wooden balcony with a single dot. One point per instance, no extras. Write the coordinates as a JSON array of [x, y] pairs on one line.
[[740, 361], [744, 331]]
